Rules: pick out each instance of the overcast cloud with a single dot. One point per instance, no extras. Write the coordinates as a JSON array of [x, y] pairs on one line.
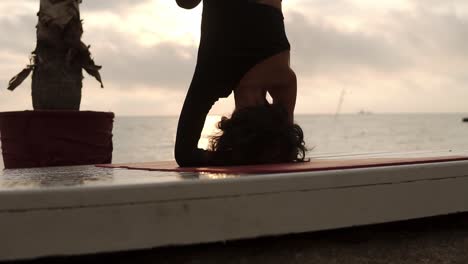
[[389, 56]]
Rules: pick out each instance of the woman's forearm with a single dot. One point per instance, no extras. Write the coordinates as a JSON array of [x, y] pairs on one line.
[[197, 105], [188, 4]]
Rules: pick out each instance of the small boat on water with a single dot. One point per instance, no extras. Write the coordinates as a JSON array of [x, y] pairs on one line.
[[364, 112], [67, 211]]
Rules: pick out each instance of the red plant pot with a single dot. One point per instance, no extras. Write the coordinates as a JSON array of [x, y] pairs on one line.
[[56, 138]]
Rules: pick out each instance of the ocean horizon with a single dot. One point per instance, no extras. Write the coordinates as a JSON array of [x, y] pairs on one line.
[[151, 138]]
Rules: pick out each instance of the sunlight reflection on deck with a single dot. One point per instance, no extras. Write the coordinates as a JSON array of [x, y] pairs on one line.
[[217, 176]]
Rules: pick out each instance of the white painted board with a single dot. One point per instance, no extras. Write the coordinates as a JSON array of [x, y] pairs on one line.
[[81, 210]]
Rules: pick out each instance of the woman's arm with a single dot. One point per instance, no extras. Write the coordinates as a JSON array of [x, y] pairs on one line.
[[285, 92], [198, 103], [277, 77], [188, 4], [191, 122]]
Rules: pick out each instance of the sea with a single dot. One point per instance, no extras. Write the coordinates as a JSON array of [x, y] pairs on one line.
[[145, 139]]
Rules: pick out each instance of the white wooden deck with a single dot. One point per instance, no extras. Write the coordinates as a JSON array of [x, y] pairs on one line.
[[84, 209]]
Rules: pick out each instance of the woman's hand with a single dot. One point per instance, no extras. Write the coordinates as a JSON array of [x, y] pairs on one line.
[[189, 4]]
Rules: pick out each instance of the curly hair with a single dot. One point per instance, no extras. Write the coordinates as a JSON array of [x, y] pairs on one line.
[[258, 135]]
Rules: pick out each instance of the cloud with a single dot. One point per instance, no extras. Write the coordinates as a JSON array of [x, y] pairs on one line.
[[165, 65], [128, 64], [390, 54], [404, 59], [326, 48], [106, 5], [399, 43], [17, 35], [100, 5]]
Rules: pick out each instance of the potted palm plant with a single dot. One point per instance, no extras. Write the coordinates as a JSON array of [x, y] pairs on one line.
[[57, 133]]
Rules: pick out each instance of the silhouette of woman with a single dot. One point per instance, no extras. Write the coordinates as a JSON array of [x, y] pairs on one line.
[[243, 48]]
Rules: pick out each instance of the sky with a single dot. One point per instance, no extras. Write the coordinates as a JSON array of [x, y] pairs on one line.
[[385, 56]]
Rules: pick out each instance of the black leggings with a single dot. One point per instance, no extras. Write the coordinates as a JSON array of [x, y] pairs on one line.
[[226, 54]]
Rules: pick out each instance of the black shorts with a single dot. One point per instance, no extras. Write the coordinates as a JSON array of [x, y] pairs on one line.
[[233, 43]]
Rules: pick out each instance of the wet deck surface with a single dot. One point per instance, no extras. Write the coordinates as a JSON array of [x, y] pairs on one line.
[[85, 176], [433, 241], [90, 176]]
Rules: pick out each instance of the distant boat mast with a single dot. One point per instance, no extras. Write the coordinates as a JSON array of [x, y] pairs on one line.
[[340, 103]]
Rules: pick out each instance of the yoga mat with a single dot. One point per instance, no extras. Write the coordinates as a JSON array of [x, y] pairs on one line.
[[314, 165]]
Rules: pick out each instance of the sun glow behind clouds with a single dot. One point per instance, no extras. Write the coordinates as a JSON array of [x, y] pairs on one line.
[[164, 21], [154, 22], [383, 4]]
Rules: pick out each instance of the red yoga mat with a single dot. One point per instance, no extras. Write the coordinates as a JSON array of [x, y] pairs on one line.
[[314, 165]]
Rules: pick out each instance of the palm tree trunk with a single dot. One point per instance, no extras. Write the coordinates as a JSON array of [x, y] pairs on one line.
[[59, 58], [56, 81]]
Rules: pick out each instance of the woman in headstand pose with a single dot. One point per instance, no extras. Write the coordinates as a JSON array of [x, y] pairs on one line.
[[243, 48]]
